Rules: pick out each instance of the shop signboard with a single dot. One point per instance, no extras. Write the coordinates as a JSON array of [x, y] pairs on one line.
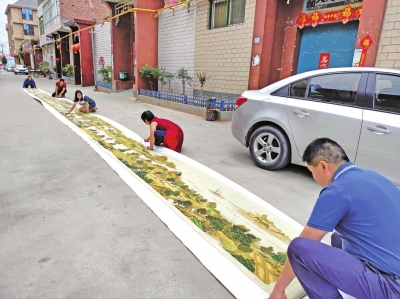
[[311, 5]]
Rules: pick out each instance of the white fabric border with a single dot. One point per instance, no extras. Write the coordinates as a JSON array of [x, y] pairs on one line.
[[234, 279]]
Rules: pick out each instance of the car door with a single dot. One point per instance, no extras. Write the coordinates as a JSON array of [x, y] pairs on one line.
[[379, 147], [326, 110]]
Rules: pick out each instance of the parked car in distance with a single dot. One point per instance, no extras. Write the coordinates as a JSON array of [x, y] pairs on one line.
[[10, 68], [20, 69], [357, 107]]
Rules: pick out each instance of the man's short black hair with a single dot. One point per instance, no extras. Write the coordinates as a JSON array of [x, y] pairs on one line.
[[147, 115], [62, 80], [324, 149]]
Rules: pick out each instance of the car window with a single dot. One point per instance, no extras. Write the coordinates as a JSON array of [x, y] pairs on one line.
[[282, 92], [387, 93], [335, 88], [298, 89]]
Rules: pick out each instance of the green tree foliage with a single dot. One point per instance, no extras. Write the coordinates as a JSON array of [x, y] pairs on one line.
[[241, 228], [143, 176], [166, 78], [4, 60], [198, 223], [150, 74], [217, 224], [184, 203], [44, 66], [239, 235], [267, 250], [248, 263], [201, 211], [202, 79], [245, 248], [183, 75], [106, 73], [279, 257], [168, 192], [212, 205], [68, 70]]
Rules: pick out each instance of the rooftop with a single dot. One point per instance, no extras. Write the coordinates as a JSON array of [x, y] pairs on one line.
[[29, 3]]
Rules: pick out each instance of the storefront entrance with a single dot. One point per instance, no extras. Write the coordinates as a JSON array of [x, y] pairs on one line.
[[338, 40]]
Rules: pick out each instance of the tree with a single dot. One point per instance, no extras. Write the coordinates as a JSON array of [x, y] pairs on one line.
[[168, 192], [245, 248], [166, 78], [267, 250], [4, 60], [149, 74], [202, 79], [279, 257], [212, 205], [44, 66], [248, 263], [201, 211], [183, 75], [218, 225]]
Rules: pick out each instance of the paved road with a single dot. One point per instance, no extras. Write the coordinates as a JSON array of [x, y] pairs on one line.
[[70, 227]]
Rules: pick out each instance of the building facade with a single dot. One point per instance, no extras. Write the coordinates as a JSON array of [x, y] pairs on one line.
[[58, 20], [22, 25], [389, 43], [248, 44]]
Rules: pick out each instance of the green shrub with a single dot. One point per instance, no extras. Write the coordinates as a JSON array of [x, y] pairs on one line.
[[68, 70], [106, 72]]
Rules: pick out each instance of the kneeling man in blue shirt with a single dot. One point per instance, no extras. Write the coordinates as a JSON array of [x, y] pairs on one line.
[[29, 82], [363, 208]]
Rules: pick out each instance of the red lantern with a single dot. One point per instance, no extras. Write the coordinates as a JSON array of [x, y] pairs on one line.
[[57, 59], [77, 47], [59, 47]]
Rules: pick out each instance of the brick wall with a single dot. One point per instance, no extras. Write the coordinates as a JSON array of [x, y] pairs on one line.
[[224, 53], [176, 44], [80, 9], [389, 44], [102, 46]]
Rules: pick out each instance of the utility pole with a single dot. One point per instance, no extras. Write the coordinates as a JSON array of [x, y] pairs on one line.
[[2, 45]]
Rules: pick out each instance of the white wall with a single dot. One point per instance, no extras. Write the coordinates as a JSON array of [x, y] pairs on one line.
[[176, 43], [102, 46]]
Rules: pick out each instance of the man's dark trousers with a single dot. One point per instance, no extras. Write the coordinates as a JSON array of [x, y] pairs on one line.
[[58, 92], [322, 270]]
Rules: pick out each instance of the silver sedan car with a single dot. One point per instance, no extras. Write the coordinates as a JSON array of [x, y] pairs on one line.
[[20, 69], [357, 107]]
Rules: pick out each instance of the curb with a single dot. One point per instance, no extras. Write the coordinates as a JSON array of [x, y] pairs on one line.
[[199, 111]]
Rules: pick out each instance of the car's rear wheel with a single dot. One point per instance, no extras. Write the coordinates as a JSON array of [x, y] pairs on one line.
[[269, 148]]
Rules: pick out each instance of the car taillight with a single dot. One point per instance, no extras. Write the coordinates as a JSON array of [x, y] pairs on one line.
[[240, 101]]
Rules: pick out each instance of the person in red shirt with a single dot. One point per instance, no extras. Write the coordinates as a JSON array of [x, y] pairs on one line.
[[163, 132], [61, 89]]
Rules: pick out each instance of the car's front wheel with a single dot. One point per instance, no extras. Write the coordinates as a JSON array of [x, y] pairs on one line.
[[269, 148]]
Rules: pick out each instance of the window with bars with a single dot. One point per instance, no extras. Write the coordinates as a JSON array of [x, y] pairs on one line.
[[28, 29], [27, 14], [227, 12]]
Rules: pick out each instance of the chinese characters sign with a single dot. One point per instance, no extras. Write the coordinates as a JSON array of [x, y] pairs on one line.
[[324, 4], [348, 13], [324, 59]]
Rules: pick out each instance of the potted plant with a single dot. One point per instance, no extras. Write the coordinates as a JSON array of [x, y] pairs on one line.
[[150, 74], [183, 75], [106, 73], [202, 79], [68, 72]]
